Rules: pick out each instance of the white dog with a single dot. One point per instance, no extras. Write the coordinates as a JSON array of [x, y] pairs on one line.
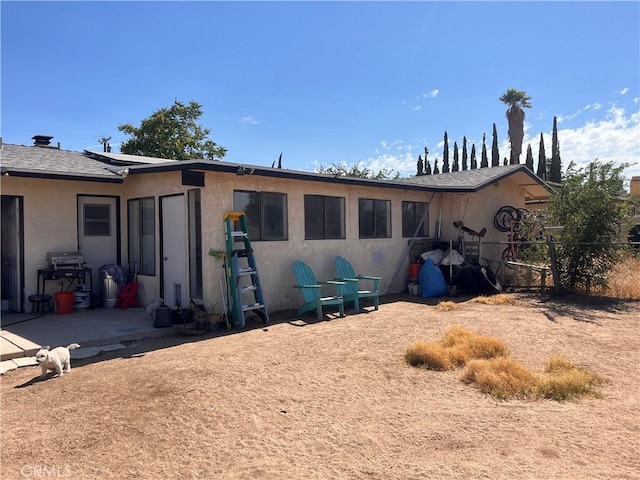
[[58, 359]]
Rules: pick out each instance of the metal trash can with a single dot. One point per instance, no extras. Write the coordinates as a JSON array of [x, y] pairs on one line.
[[109, 289]]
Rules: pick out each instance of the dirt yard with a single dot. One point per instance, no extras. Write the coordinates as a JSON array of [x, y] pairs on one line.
[[334, 400]]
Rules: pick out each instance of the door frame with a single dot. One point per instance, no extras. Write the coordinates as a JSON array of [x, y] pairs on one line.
[[20, 254], [161, 289]]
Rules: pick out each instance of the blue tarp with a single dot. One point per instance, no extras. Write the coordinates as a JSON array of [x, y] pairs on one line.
[[432, 282]]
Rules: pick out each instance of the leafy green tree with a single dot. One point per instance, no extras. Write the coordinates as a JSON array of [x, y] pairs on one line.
[[445, 154], [341, 169], [594, 218], [542, 160], [484, 162], [172, 133], [529, 160], [495, 154], [517, 100], [555, 170]]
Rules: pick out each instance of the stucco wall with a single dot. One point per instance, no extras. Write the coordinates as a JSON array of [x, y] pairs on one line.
[[275, 258], [50, 220]]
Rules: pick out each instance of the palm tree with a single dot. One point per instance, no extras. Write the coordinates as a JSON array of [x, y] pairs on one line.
[[517, 100]]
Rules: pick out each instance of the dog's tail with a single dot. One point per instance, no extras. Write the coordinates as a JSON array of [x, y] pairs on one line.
[[73, 346]]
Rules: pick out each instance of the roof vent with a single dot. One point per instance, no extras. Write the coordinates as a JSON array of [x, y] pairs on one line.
[[41, 140]]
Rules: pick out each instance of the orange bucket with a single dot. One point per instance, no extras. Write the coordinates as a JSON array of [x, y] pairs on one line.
[[64, 303]]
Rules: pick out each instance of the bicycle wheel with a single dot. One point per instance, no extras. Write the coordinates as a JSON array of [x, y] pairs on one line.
[[505, 217], [509, 254]]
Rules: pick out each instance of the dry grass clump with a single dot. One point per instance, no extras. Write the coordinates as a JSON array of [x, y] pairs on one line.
[[503, 378], [492, 371], [432, 356], [472, 344], [623, 281], [447, 306], [499, 299], [563, 380], [457, 347]]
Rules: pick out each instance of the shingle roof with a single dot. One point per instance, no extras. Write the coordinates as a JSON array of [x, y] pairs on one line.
[[98, 166], [47, 162], [476, 179]]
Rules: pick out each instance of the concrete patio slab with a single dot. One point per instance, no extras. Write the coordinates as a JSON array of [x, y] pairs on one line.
[[9, 350], [20, 344], [23, 334]]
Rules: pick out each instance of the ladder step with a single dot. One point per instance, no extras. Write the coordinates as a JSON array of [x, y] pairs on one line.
[[239, 234], [253, 306], [249, 288], [246, 271]]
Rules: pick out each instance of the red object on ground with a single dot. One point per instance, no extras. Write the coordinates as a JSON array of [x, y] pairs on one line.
[[414, 271], [127, 296], [64, 302]]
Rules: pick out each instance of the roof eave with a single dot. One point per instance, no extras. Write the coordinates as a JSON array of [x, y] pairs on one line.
[[42, 174]]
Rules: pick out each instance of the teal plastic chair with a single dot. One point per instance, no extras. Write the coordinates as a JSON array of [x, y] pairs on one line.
[[353, 290], [311, 291]]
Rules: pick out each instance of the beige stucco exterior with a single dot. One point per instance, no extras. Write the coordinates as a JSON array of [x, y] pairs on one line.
[[50, 224], [50, 219]]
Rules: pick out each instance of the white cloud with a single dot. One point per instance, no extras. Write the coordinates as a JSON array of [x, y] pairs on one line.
[[249, 120], [616, 138], [431, 94], [416, 108], [623, 91]]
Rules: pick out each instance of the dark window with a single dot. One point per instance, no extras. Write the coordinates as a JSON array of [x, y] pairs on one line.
[[323, 217], [196, 179], [97, 220], [142, 235], [374, 218], [266, 214], [412, 215]]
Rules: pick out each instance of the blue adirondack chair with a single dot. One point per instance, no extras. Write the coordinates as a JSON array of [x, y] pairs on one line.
[[353, 291], [311, 290]]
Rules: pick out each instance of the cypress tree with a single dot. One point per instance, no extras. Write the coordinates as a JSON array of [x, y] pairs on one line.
[[436, 171], [529, 161], [555, 172], [484, 162], [542, 160], [420, 167], [464, 154], [456, 164], [495, 155], [474, 163], [445, 154], [427, 170]]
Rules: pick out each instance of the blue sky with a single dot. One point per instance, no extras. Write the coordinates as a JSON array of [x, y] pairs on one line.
[[328, 82]]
